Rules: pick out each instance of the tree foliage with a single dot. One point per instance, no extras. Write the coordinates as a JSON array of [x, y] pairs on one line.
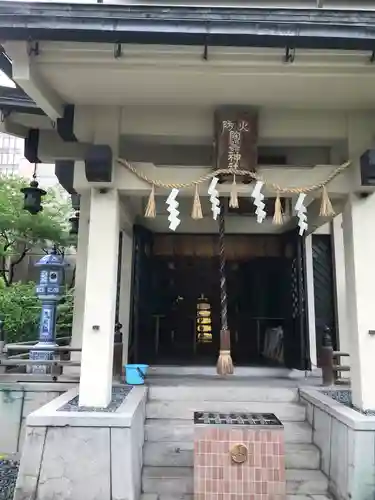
[[21, 231], [20, 312], [65, 313]]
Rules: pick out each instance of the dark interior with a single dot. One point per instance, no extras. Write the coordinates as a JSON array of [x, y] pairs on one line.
[[177, 270], [180, 281]]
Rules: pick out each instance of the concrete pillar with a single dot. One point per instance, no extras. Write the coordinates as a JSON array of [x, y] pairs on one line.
[[359, 244], [80, 272], [310, 300], [100, 298]]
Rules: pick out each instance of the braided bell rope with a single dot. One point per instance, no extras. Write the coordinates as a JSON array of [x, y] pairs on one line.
[[206, 177], [223, 280]]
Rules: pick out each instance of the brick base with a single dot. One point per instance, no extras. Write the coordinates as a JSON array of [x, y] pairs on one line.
[[260, 477]]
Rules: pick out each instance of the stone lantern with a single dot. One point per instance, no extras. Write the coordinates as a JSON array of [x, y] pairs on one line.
[[49, 290]]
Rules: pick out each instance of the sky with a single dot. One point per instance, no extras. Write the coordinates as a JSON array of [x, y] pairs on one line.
[[5, 81]]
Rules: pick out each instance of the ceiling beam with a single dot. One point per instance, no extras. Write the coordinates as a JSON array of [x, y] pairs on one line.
[[7, 126], [26, 75], [130, 184], [147, 151], [315, 220], [52, 147], [47, 146], [162, 150]]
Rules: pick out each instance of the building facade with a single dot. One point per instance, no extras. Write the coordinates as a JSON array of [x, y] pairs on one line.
[[129, 107], [13, 161], [11, 148]]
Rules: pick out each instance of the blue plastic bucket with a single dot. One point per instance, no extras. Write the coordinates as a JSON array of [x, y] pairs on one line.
[[135, 374]]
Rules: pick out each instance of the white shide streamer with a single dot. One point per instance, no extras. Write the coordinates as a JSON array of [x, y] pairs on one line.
[[301, 212], [214, 197], [258, 202], [174, 221]]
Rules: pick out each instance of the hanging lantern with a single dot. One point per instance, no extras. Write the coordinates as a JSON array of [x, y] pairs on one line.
[[74, 221], [204, 321], [33, 197]]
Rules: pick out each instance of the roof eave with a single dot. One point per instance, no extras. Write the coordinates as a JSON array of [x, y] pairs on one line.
[[299, 28]]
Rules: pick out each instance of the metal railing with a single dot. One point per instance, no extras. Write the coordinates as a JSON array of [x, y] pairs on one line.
[[339, 369], [14, 357]]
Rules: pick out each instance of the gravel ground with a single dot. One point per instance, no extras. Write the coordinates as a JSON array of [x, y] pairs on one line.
[[344, 396], [119, 394], [8, 476]]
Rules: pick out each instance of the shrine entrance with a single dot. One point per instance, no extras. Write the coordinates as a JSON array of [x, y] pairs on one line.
[[176, 277]]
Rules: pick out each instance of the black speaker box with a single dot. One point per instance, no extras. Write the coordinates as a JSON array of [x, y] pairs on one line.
[[98, 163], [31, 145], [367, 164], [64, 170]]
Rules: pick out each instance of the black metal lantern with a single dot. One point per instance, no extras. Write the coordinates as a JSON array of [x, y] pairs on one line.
[[33, 197], [74, 221]]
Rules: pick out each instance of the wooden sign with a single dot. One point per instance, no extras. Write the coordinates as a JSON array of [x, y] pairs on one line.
[[236, 137]]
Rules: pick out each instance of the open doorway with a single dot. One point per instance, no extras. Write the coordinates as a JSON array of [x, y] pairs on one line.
[[174, 273]]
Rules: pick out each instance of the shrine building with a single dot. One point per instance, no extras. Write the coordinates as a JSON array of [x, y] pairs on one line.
[[189, 133]]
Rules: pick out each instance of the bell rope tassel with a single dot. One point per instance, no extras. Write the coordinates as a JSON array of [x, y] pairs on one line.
[[278, 218], [224, 363], [233, 201], [150, 212], [196, 212], [326, 208]]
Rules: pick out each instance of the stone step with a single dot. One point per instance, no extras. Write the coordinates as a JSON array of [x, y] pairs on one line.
[[251, 373], [155, 496], [218, 392], [297, 456], [179, 480], [180, 430], [184, 410]]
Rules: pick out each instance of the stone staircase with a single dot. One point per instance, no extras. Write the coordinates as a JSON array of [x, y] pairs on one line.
[[168, 449]]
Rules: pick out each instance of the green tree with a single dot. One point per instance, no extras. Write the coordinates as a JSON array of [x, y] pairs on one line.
[[65, 313], [21, 231], [20, 310]]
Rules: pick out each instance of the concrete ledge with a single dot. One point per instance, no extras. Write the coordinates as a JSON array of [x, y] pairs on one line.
[[346, 440], [36, 386], [83, 454], [339, 411], [17, 401], [49, 415]]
